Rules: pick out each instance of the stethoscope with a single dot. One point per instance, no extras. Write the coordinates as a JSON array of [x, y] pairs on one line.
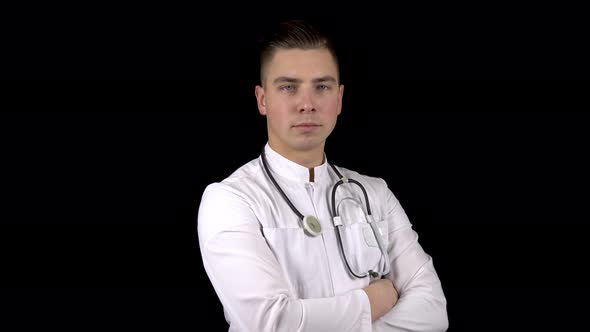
[[313, 227]]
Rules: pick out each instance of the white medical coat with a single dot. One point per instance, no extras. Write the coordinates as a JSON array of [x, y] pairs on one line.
[[271, 276]]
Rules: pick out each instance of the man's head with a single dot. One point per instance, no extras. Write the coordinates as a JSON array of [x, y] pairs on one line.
[[294, 34], [300, 90]]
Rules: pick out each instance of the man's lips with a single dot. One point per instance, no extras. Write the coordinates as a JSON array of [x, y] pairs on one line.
[[307, 124]]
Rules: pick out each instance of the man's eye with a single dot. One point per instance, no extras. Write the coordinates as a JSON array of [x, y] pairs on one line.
[[323, 87], [288, 87]]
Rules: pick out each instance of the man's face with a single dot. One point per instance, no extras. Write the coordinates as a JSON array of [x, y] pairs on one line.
[[301, 99]]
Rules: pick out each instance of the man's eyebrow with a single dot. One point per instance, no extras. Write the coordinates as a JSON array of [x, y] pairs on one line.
[[285, 79], [324, 79]]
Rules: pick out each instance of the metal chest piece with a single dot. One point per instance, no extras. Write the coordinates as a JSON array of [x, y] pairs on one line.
[[312, 225]]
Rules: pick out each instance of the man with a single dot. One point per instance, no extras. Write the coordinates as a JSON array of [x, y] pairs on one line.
[[284, 249]]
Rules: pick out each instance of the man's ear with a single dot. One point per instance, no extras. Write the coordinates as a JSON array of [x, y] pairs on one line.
[[340, 93], [260, 99]]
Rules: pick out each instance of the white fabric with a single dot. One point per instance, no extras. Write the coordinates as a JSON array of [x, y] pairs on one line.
[[272, 276]]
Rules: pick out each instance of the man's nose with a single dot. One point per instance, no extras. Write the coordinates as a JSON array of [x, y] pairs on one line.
[[306, 103]]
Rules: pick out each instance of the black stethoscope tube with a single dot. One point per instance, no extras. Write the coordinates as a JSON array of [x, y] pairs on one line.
[[334, 210]]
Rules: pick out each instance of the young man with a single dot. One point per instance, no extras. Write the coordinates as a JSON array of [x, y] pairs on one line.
[[293, 243]]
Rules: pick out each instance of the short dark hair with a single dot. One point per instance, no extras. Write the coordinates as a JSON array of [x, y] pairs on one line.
[[294, 34]]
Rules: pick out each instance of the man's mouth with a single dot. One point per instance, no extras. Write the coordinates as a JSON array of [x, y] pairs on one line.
[[307, 124]]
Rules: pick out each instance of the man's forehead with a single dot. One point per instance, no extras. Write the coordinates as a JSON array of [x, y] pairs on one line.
[[302, 64]]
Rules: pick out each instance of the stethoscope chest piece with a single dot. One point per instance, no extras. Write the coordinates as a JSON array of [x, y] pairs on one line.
[[312, 225]]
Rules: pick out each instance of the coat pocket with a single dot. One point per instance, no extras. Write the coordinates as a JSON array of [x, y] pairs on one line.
[[359, 241]]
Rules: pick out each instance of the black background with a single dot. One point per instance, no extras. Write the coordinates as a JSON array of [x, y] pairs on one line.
[[466, 112]]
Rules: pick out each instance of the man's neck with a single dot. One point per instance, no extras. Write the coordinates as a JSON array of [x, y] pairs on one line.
[[310, 159]]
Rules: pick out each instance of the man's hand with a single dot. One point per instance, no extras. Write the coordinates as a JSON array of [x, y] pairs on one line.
[[382, 296]]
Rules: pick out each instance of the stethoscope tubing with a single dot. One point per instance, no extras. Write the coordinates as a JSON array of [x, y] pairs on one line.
[[370, 220]]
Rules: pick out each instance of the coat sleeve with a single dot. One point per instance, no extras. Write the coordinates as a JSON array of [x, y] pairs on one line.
[[422, 304], [248, 279]]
